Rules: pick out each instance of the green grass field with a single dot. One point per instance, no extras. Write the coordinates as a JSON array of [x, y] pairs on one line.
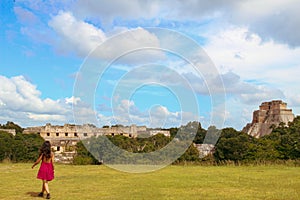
[[173, 182]]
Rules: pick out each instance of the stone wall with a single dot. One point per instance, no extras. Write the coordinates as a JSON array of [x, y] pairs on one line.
[[205, 149], [11, 131]]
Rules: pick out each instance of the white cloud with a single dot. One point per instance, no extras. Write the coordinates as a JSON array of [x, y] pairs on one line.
[[21, 102], [1, 103], [46, 118], [127, 113], [131, 46], [168, 9], [82, 38], [245, 54], [247, 92], [124, 106], [238, 113], [84, 114], [242, 50], [252, 51], [274, 19], [72, 100], [158, 116], [107, 11], [270, 19], [20, 95], [75, 35], [294, 100], [253, 70]]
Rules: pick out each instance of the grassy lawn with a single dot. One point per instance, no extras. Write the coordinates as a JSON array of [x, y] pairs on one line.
[[174, 182]]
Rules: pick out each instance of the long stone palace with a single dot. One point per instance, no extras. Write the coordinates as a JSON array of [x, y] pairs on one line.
[[64, 138]]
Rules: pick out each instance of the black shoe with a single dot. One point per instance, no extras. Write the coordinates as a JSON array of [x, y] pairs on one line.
[[48, 196], [41, 194]]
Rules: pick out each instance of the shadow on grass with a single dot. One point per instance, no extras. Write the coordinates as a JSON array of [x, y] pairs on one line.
[[33, 194]]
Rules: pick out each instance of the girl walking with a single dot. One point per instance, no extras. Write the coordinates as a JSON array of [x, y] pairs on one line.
[[46, 171]]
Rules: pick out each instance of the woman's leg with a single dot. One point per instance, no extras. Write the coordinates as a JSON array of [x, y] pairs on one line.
[[43, 187], [46, 187], [41, 194]]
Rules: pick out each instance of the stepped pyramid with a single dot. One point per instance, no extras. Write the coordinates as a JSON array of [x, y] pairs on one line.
[[269, 113]]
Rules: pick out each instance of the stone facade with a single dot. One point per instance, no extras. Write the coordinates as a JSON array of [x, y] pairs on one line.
[[158, 131], [11, 131], [205, 149], [64, 138], [269, 114]]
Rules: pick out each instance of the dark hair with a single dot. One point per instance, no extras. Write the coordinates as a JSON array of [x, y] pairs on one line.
[[46, 149]]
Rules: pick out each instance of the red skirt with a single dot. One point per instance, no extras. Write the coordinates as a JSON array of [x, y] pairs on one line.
[[46, 172]]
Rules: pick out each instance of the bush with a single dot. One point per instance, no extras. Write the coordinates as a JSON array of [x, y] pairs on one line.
[[19, 148]]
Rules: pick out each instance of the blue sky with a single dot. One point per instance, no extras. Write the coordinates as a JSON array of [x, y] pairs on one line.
[[247, 52]]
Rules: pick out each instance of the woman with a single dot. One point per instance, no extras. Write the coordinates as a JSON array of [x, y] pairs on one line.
[[46, 171]]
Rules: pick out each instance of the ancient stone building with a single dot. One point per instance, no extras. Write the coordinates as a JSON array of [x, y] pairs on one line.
[[61, 137], [205, 149], [11, 131], [64, 138], [269, 114], [158, 131]]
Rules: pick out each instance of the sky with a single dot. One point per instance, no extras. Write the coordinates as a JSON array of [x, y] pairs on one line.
[[154, 63]]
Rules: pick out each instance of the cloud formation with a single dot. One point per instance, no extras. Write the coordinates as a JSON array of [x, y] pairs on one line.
[[126, 112], [17, 94], [83, 38], [253, 43], [21, 102], [75, 35], [263, 65], [277, 20]]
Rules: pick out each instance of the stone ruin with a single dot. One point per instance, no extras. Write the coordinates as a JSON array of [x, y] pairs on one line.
[[64, 138], [269, 114], [11, 131]]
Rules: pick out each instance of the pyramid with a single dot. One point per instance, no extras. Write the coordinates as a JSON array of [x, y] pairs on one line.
[[269, 114]]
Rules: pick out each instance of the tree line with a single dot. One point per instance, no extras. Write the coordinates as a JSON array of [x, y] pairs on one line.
[[282, 144], [18, 148], [230, 146]]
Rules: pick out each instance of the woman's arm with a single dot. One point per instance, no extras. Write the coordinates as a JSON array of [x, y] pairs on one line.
[[52, 160], [37, 161]]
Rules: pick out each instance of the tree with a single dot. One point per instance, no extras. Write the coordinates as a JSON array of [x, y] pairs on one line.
[[6, 140], [288, 139], [265, 148], [26, 147], [191, 154], [212, 135], [83, 156], [200, 135], [12, 125], [173, 132], [232, 145]]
